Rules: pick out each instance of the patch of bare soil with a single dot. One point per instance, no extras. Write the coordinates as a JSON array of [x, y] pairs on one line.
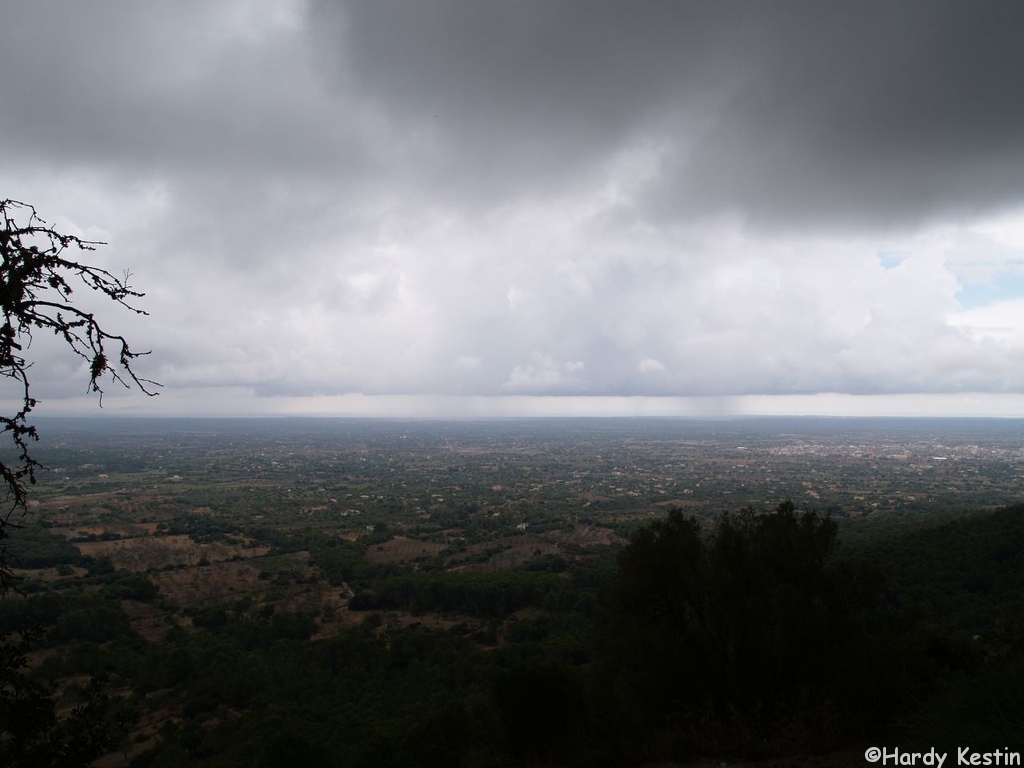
[[44, 574], [145, 552], [334, 612], [502, 554], [301, 589], [161, 707], [212, 583], [513, 551], [402, 549], [586, 536], [147, 619]]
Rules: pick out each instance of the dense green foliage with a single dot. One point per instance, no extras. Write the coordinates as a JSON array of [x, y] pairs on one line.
[[963, 582], [37, 547], [750, 637], [967, 572], [755, 635], [32, 735], [472, 594]]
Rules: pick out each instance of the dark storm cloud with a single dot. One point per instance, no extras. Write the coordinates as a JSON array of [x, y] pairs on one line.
[[168, 89], [869, 113], [525, 94], [800, 112], [797, 113]]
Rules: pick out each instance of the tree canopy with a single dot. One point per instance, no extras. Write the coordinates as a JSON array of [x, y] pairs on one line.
[[747, 627]]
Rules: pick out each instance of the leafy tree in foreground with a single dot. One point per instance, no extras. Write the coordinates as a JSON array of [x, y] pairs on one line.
[[745, 637], [37, 280]]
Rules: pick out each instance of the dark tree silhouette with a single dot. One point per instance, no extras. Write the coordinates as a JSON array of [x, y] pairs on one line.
[[743, 635], [31, 733], [37, 280]]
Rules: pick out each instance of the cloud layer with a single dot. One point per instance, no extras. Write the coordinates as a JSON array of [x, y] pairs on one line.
[[454, 198]]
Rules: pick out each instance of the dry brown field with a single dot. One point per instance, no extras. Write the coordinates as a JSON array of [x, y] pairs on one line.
[[402, 549]]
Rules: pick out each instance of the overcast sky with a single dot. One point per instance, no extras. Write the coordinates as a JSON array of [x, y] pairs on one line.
[[467, 207]]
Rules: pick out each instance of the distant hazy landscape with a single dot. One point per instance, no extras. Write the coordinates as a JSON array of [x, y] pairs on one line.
[[154, 547]]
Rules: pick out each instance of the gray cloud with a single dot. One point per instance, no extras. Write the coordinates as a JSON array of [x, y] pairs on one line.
[[809, 113], [577, 198], [868, 114]]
